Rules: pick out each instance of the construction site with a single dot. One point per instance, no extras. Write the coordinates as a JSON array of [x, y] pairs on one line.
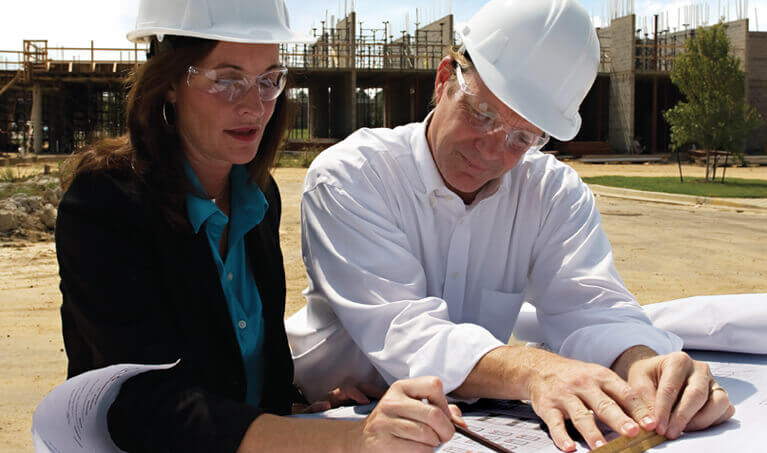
[[57, 99]]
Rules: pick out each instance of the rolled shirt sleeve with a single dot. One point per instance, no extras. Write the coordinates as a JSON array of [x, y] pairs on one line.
[[584, 308]]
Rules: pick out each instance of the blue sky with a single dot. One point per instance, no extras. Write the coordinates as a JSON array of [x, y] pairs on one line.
[[73, 23]]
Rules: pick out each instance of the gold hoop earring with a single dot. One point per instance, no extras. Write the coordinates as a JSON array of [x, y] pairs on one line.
[[165, 114]]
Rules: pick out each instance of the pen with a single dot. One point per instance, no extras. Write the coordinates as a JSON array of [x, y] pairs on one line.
[[481, 440]]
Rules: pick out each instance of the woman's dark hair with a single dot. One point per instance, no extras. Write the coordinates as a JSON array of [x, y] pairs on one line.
[[152, 150]]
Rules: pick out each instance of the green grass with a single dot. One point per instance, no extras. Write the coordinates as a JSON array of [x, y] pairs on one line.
[[731, 188], [29, 189]]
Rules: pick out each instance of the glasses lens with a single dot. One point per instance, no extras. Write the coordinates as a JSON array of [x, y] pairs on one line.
[[523, 141], [271, 84], [228, 85], [231, 85]]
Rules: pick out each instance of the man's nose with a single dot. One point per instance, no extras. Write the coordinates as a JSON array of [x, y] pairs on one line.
[[490, 145]]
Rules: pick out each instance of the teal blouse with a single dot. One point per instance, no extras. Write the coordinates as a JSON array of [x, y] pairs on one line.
[[248, 207]]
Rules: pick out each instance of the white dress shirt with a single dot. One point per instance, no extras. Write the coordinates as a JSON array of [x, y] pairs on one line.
[[406, 280]]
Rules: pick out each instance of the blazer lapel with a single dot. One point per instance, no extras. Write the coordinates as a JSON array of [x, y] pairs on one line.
[[202, 309]]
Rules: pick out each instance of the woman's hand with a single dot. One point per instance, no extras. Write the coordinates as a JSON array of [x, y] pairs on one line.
[[412, 416]]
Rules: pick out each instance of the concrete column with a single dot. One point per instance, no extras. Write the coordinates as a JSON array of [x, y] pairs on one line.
[[622, 98], [387, 104], [351, 124], [319, 101], [340, 106], [399, 102], [655, 118], [351, 96], [37, 119], [622, 82]]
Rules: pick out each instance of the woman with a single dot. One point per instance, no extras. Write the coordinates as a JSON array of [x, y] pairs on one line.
[[168, 248]]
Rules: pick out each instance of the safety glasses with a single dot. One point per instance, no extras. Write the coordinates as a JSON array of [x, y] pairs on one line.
[[232, 85], [485, 121]]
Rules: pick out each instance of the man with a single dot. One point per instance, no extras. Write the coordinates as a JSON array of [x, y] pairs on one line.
[[422, 242]]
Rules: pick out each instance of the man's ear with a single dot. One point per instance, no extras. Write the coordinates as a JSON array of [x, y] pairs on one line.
[[444, 72]]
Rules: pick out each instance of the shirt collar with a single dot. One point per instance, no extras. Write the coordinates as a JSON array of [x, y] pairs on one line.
[[429, 173], [424, 160], [198, 206], [249, 204]]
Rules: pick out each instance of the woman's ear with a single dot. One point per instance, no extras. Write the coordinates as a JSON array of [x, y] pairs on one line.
[[171, 94]]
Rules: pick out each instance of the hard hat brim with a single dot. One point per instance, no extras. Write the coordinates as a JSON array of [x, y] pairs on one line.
[[524, 101], [277, 36]]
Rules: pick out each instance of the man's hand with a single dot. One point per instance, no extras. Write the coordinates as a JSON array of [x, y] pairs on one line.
[[679, 389], [564, 388], [350, 395], [345, 395]]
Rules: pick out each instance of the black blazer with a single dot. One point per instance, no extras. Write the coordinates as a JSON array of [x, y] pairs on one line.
[[136, 290]]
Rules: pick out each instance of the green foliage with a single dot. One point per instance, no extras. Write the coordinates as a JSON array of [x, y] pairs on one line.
[[715, 114], [296, 159], [734, 187]]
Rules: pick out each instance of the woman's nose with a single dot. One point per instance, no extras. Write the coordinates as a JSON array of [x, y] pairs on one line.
[[251, 104]]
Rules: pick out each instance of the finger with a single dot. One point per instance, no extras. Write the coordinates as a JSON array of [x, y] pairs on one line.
[[415, 432], [584, 422], [317, 406], [612, 414], [672, 379], [642, 410], [427, 387], [694, 397], [399, 406], [353, 393], [717, 407], [726, 416], [371, 390], [556, 424], [456, 414]]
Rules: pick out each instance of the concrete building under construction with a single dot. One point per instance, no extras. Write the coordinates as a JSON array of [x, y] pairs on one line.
[[363, 77]]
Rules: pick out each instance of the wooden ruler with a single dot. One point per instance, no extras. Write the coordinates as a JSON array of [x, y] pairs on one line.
[[637, 444]]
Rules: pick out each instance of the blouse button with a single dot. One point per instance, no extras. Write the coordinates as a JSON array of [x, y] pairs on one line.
[[242, 324]]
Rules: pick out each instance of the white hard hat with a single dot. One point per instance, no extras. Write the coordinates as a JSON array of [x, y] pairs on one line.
[[539, 57], [244, 21]]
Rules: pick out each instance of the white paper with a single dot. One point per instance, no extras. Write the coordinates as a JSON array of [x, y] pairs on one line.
[[735, 323], [744, 376], [73, 417]]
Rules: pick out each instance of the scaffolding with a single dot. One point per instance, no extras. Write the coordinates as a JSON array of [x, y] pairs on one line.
[[373, 48], [354, 75]]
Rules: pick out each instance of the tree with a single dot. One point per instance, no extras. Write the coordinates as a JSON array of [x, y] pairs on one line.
[[714, 114]]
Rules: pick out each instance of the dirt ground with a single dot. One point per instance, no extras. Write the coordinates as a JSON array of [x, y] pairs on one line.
[[663, 252]]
